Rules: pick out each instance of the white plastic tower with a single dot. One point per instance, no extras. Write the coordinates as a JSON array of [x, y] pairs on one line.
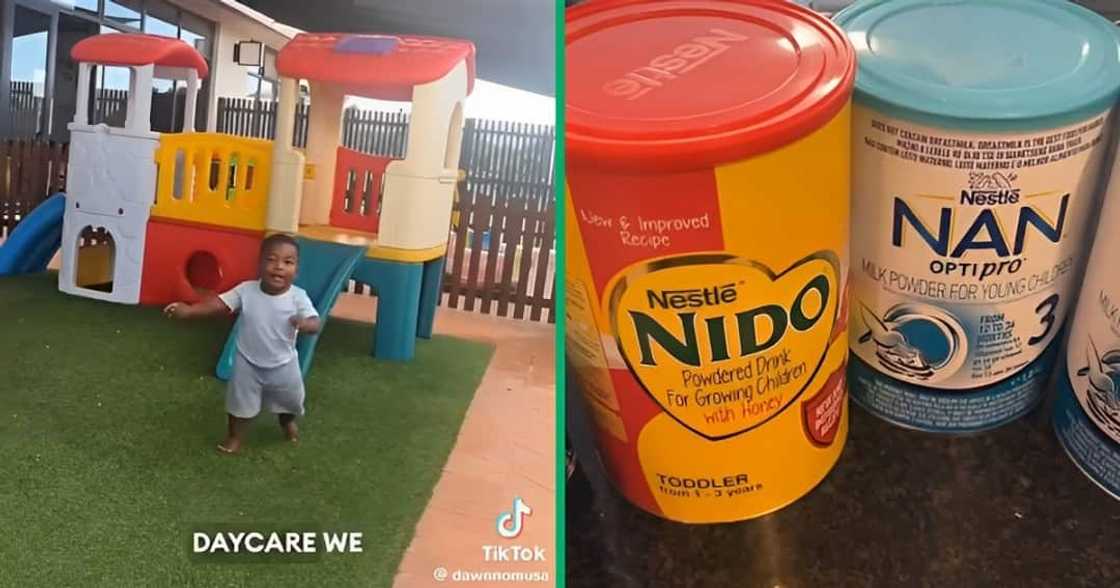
[[420, 189], [111, 179]]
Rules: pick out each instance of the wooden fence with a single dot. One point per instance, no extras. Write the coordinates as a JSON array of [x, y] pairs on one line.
[[30, 171], [257, 118], [503, 248], [26, 110], [27, 117], [501, 257], [383, 133], [109, 107], [377, 132]]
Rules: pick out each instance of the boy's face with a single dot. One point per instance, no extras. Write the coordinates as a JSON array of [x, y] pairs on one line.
[[278, 266]]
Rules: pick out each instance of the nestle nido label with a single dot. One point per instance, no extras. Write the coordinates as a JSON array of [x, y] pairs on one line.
[[707, 249], [974, 177], [724, 344]]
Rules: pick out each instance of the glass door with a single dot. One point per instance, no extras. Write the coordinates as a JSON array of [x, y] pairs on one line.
[[30, 49], [71, 30]]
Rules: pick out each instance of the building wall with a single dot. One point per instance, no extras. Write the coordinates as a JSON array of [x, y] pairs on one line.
[[228, 78]]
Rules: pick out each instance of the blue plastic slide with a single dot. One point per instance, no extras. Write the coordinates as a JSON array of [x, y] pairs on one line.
[[324, 270], [35, 240]]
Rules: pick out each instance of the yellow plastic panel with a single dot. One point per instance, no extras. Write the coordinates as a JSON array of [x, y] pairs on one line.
[[194, 183]]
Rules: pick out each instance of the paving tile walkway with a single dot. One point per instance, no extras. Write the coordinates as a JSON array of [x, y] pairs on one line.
[[505, 449]]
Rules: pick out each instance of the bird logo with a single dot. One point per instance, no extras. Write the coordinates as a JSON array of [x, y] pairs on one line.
[[893, 350], [1101, 372]]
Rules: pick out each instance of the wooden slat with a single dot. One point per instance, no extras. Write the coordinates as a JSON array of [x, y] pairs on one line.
[[6, 156], [25, 166], [58, 167], [246, 118], [253, 117], [453, 283], [514, 235], [7, 207], [250, 113], [42, 178], [480, 221], [245, 111], [521, 299], [496, 234], [545, 236], [489, 280]]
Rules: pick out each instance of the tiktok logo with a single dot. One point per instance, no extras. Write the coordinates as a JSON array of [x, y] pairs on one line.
[[510, 523]]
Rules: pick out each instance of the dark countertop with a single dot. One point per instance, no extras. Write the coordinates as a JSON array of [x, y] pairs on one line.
[[901, 508]]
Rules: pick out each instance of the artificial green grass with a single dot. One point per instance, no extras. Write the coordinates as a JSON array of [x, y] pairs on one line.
[[109, 417]]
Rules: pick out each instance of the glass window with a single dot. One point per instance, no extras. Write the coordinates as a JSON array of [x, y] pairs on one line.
[[263, 87], [88, 7], [268, 90], [123, 12], [154, 25], [197, 32], [270, 64], [31, 30], [168, 97], [111, 77], [252, 86], [161, 18]]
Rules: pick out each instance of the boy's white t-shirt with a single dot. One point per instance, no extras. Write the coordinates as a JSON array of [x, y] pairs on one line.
[[266, 337]]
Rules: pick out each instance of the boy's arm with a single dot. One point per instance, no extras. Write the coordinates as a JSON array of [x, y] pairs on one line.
[[212, 306], [308, 326], [306, 318]]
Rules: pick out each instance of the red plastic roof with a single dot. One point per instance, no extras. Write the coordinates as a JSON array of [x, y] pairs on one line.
[[374, 66], [137, 49]]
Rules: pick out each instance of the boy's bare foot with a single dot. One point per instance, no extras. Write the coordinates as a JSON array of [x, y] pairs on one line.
[[230, 446], [288, 424], [291, 431]]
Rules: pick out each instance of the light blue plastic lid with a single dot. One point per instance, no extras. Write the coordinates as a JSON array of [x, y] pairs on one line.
[[992, 65]]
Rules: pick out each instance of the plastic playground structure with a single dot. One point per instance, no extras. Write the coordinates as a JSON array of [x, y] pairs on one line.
[[150, 218]]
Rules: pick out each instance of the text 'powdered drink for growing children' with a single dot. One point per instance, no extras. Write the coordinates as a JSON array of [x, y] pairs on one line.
[[978, 132], [707, 241]]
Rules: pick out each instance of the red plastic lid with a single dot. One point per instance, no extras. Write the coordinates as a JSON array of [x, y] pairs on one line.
[[683, 84]]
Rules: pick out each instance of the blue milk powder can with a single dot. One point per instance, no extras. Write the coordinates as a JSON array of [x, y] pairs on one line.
[[979, 128], [1087, 409]]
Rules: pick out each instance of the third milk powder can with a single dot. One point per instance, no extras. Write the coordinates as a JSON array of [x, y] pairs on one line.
[[978, 131], [707, 248], [1087, 408]]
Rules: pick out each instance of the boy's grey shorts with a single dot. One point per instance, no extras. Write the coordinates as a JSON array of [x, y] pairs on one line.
[[278, 389]]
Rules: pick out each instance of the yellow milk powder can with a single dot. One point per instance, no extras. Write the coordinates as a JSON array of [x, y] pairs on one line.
[[707, 248]]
